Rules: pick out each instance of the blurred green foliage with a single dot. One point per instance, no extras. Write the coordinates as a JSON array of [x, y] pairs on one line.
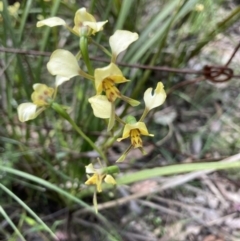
[[172, 33]]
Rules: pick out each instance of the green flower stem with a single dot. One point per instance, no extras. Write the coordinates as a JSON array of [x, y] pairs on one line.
[[8, 219], [101, 47], [55, 93], [114, 59], [85, 75], [58, 108], [111, 170], [145, 112], [123, 156], [81, 72], [112, 118], [112, 139], [117, 118], [84, 50], [29, 210], [71, 30]]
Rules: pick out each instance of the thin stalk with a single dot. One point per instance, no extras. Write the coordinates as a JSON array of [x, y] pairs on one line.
[[220, 27], [8, 219], [101, 47], [119, 120], [45, 40], [60, 191], [86, 138], [84, 50], [67, 117], [24, 16], [145, 112], [11, 194]]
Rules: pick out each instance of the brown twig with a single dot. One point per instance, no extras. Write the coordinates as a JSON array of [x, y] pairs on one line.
[[140, 66], [183, 83], [233, 54], [216, 74]]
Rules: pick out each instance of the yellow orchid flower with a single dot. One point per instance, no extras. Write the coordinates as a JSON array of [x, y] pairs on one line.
[[12, 9], [84, 23], [40, 101], [120, 41], [105, 80], [98, 177], [134, 130]]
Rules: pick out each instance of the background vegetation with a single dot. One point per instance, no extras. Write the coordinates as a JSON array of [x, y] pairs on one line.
[[196, 131]]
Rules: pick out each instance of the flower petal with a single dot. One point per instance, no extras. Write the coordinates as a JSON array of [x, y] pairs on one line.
[[101, 106], [83, 18], [51, 22], [157, 99], [13, 9], [138, 125], [112, 117], [90, 169], [141, 126], [60, 80], [42, 93], [28, 111], [111, 72], [93, 180], [110, 180], [96, 27], [126, 132], [40, 88], [120, 41], [63, 63]]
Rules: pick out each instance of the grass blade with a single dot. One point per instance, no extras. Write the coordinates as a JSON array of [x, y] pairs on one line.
[[8, 219]]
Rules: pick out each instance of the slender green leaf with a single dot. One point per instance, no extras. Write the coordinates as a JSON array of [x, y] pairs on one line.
[[8, 219]]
